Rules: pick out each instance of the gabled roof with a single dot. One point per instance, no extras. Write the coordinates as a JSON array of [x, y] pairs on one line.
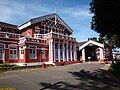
[[38, 19], [90, 42]]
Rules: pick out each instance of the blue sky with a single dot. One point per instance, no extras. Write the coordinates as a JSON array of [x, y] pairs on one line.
[[74, 12]]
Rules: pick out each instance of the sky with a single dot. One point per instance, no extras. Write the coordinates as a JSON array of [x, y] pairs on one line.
[[74, 12]]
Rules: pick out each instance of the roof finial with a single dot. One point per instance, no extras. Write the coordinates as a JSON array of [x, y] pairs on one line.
[[55, 10]]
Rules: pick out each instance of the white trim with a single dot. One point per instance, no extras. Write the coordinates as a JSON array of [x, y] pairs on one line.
[[83, 55], [51, 51], [101, 53], [44, 18], [43, 49], [13, 45], [24, 25], [91, 42], [9, 41]]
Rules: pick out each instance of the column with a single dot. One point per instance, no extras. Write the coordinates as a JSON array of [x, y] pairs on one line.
[[83, 55], [51, 51], [75, 53], [101, 54], [67, 51], [63, 52], [71, 52], [54, 51], [59, 52]]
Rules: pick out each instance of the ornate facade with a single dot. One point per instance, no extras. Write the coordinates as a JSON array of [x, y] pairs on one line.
[[43, 39]]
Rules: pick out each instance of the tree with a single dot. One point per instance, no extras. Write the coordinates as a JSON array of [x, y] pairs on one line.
[[106, 20]]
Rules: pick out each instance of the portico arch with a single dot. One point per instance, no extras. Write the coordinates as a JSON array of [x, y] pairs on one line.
[[91, 50]]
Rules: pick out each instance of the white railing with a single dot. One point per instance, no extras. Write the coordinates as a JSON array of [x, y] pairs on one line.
[[38, 35], [10, 35], [57, 35], [30, 39]]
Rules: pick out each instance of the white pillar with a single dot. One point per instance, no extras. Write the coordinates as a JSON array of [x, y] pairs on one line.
[[101, 54], [67, 51], [51, 51], [75, 53], [54, 51], [83, 55], [63, 52], [59, 52], [71, 52]]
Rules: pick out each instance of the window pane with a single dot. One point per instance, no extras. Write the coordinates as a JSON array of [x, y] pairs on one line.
[[56, 54], [72, 54], [13, 52], [32, 53], [60, 45], [56, 45], [1, 52], [61, 54]]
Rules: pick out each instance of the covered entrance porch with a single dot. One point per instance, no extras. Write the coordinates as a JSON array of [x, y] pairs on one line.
[[91, 51]]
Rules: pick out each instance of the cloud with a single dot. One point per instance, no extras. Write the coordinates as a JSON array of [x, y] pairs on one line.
[[16, 12], [77, 11], [9, 10]]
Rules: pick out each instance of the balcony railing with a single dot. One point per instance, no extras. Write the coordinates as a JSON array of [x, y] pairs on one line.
[[38, 35], [56, 35], [10, 35], [53, 35], [30, 39]]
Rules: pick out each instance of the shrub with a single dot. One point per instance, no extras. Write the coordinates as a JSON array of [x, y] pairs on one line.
[[115, 68]]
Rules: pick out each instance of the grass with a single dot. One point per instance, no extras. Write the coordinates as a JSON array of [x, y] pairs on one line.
[[7, 88], [7, 67]]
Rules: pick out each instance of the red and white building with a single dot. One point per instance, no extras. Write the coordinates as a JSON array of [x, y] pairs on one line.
[[45, 39]]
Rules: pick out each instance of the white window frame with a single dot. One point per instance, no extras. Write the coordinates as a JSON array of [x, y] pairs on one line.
[[14, 54], [31, 47]]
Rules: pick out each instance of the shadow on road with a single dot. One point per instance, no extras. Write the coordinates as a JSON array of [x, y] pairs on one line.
[[97, 80]]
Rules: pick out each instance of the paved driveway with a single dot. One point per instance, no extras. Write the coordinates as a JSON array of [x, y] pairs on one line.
[[83, 76]]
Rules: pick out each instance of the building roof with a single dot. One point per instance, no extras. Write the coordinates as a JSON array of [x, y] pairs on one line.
[[8, 25], [84, 44], [38, 19]]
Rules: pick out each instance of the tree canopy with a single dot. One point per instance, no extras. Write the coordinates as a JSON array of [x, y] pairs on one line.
[[106, 19]]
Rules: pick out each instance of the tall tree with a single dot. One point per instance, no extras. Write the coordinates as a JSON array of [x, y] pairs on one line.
[[106, 19]]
